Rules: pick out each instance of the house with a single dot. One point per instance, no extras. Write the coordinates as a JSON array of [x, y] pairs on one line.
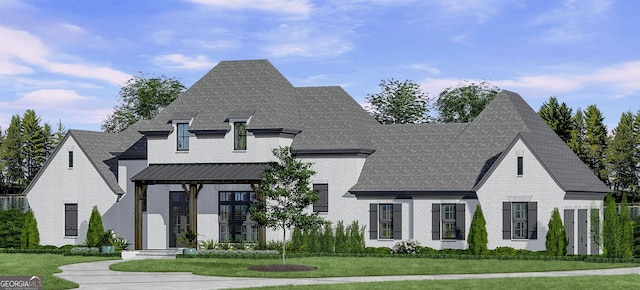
[[195, 164]]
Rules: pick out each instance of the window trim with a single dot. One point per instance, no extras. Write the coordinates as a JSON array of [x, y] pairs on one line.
[[240, 136], [182, 133]]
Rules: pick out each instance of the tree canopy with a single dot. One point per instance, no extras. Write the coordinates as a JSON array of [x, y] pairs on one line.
[[464, 103], [141, 98], [558, 117], [286, 193], [399, 103]]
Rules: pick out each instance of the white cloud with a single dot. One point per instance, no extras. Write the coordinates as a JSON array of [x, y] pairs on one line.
[[179, 61], [479, 10], [52, 97], [302, 40], [573, 21], [423, 67], [301, 7]]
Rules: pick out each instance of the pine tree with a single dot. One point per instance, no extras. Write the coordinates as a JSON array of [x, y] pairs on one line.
[[595, 140], [477, 238], [313, 241], [10, 154], [558, 117], [33, 144], [556, 242], [95, 232], [29, 237], [59, 134], [610, 228], [621, 155], [625, 231], [576, 142]]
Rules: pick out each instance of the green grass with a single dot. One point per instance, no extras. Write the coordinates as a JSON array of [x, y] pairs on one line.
[[357, 266], [584, 282], [44, 265]]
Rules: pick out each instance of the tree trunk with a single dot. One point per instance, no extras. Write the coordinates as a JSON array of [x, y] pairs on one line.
[[284, 242]]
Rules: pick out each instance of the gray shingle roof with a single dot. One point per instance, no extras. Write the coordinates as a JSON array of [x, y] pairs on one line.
[[455, 157], [96, 146]]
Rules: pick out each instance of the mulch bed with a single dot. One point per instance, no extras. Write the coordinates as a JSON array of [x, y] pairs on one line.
[[282, 268]]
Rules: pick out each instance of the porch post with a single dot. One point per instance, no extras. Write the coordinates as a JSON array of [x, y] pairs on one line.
[[262, 231], [137, 213], [193, 208]]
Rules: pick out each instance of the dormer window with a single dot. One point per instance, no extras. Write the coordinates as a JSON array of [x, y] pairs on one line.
[[240, 136], [183, 136]]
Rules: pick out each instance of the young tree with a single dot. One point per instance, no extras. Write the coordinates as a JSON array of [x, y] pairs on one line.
[[610, 228], [595, 141], [625, 231], [141, 98], [95, 232], [29, 236], [558, 117], [399, 103], [287, 194], [621, 156], [58, 135], [477, 238], [556, 242], [596, 236], [464, 103]]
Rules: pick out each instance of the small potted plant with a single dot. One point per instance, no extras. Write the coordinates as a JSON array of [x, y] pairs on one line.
[[106, 246], [190, 239]]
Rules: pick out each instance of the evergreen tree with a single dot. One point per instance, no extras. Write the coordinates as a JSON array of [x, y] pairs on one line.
[[399, 103], [58, 135], [576, 142], [625, 231], [558, 117], [556, 242], [595, 140], [33, 142], [11, 222], [596, 236], [621, 155], [313, 241], [297, 240], [328, 241], [477, 238], [10, 155], [95, 232], [29, 236], [341, 238], [610, 228], [355, 238]]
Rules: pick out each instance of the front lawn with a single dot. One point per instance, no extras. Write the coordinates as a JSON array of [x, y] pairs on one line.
[[44, 265], [357, 266]]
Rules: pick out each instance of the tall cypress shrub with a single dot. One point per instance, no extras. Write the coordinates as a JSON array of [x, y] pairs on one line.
[[355, 240], [328, 240], [341, 238], [313, 241], [609, 227], [95, 232], [477, 239], [296, 239], [625, 230], [556, 236], [11, 222], [29, 236]]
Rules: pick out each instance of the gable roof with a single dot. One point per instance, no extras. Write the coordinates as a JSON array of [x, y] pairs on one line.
[[463, 159]]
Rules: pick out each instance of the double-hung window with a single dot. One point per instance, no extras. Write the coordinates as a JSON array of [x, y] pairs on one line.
[[449, 221], [183, 136], [520, 220], [385, 221], [240, 136]]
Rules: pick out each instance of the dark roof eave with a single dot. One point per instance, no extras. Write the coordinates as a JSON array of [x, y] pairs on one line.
[[341, 152], [410, 193], [209, 132], [261, 131], [588, 195], [156, 132]]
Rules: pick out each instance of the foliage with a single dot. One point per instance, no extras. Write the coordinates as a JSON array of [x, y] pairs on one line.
[[636, 237], [595, 142], [29, 236], [478, 233], [625, 231], [504, 251], [377, 250], [297, 240], [285, 188], [406, 247], [464, 103], [576, 142], [556, 242], [313, 240], [596, 231], [609, 227], [95, 232], [142, 98], [341, 238], [621, 155], [11, 222], [189, 238], [119, 243], [399, 103], [355, 238], [558, 117], [327, 241]]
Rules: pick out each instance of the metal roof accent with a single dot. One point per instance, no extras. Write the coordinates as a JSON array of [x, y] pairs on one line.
[[201, 173]]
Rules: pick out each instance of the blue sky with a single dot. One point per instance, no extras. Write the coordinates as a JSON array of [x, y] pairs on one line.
[[68, 59]]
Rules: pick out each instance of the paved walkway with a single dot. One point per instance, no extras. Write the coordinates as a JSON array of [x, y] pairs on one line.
[[96, 275]]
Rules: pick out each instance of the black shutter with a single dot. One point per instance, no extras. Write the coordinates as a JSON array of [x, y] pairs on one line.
[[532, 220], [397, 221], [460, 218], [506, 220], [373, 221], [71, 219], [322, 204], [435, 221]]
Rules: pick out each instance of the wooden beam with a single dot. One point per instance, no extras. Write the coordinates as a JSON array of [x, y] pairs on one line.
[[140, 190], [193, 208]]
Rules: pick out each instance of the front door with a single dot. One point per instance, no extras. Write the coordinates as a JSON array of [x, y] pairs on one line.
[[179, 217], [582, 232]]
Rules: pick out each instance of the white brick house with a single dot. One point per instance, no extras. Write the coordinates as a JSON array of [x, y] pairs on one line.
[[193, 166]]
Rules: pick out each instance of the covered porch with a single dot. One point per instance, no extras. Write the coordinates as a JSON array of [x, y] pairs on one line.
[[192, 177]]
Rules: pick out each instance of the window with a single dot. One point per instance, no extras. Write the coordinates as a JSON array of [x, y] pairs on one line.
[[520, 165], [70, 159], [322, 204], [183, 136], [448, 221], [385, 221], [240, 136], [520, 220], [233, 217], [71, 219]]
